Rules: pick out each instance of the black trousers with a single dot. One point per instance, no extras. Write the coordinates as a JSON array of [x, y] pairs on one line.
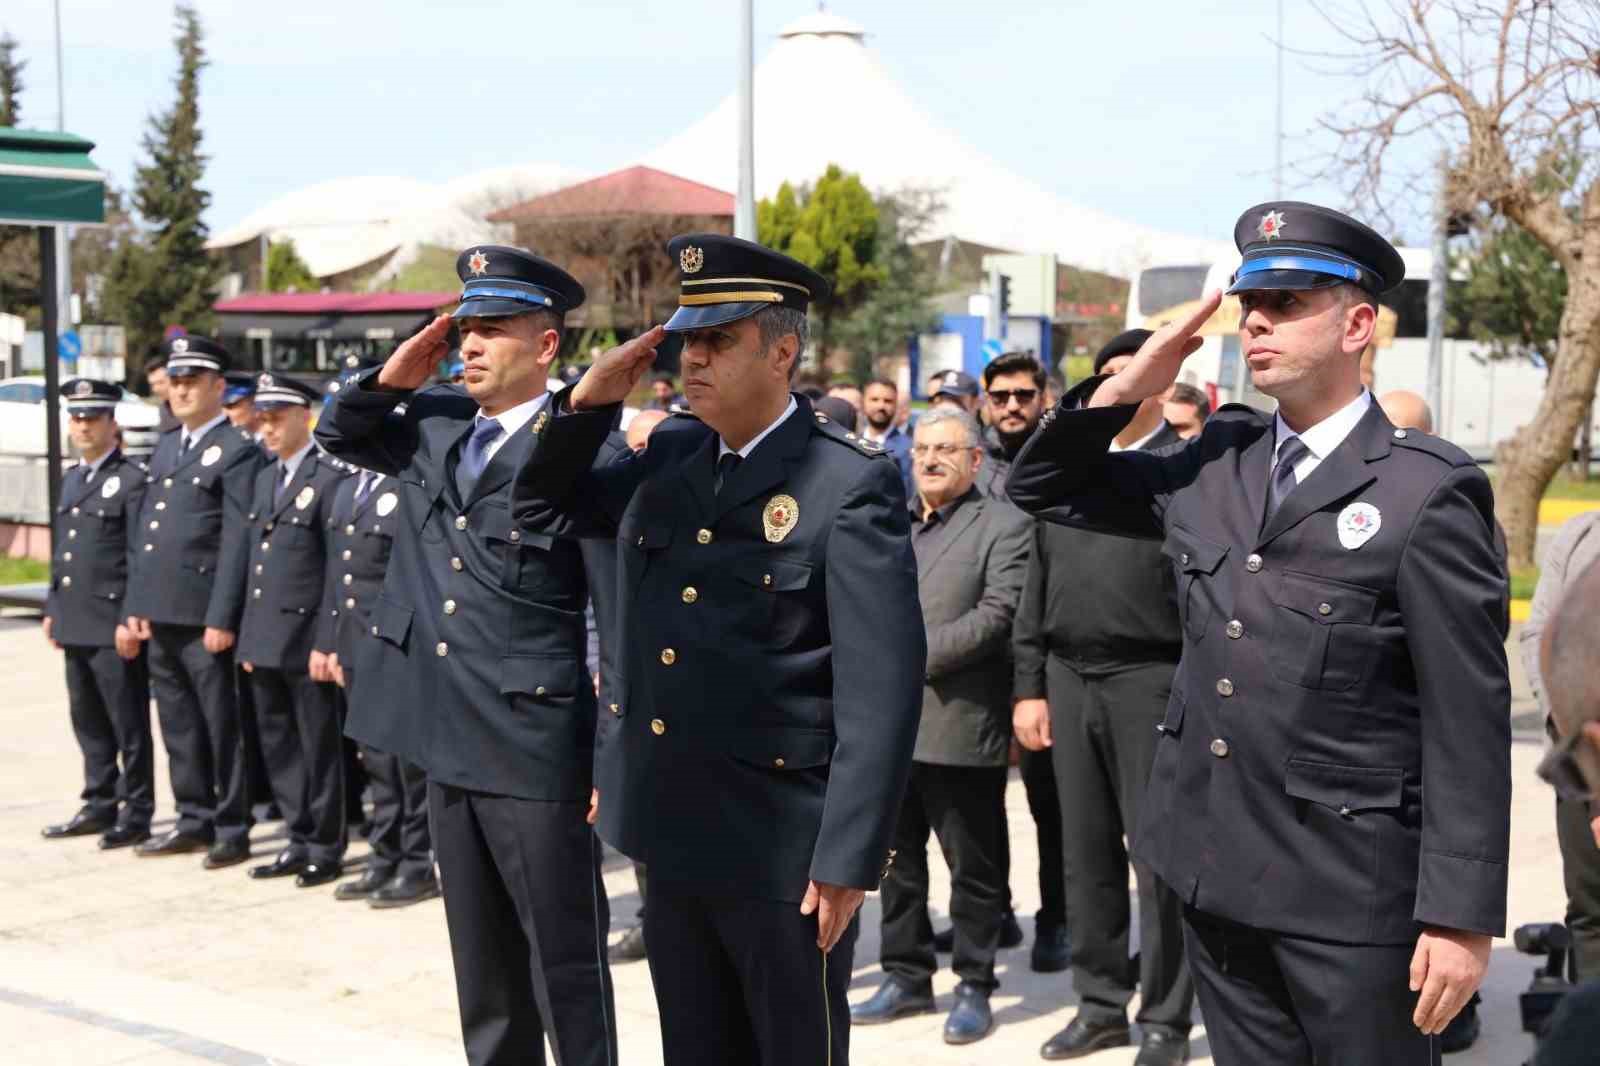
[[109, 701], [1104, 730], [741, 982], [527, 915], [1289, 1001], [1039, 785], [401, 840], [356, 775], [256, 782], [199, 713], [300, 740], [1580, 869], [964, 807]]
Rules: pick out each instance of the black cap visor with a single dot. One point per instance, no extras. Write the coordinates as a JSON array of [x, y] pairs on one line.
[[704, 316], [493, 307]]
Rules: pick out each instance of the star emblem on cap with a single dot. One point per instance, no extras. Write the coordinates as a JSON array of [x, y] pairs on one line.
[[478, 263], [1271, 226], [691, 259], [180, 345]]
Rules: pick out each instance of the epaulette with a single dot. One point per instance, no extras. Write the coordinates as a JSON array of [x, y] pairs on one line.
[[1242, 410], [244, 435], [834, 431], [678, 410], [145, 467], [1438, 447]]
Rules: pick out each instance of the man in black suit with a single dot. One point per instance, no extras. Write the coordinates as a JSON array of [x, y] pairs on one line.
[[479, 674], [972, 553], [290, 686], [108, 685], [772, 660], [185, 594], [1331, 792], [1097, 641]]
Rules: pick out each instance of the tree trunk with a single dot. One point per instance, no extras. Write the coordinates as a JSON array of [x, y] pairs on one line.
[[1540, 448], [1580, 468]]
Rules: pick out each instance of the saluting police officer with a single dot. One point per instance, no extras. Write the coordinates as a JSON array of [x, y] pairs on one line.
[[108, 685], [295, 700], [481, 663], [772, 660], [1331, 792], [185, 594]]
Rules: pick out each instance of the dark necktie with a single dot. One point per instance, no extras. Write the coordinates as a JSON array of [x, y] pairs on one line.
[[364, 486], [187, 441], [283, 482], [475, 456], [1283, 477], [725, 466]]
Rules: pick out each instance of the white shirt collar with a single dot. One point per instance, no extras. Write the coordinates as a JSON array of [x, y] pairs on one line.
[[292, 463], [92, 470], [1322, 438], [868, 433], [744, 453], [196, 436], [511, 420]]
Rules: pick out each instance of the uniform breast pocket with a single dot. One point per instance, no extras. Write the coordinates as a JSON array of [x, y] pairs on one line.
[[1323, 638], [769, 598], [1195, 561]]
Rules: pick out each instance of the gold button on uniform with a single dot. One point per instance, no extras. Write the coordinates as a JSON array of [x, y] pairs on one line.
[[1253, 564], [704, 536], [449, 606], [778, 762], [615, 709], [657, 726], [1219, 748], [668, 656], [1224, 687], [1235, 629], [441, 649], [690, 594]]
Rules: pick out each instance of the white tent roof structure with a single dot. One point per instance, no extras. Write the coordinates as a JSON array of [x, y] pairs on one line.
[[821, 97]]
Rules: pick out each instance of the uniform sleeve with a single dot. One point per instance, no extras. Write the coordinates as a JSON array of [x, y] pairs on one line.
[[565, 488], [985, 630], [1029, 646], [1569, 554], [879, 660], [326, 636], [1450, 570], [132, 507], [233, 559], [360, 426]]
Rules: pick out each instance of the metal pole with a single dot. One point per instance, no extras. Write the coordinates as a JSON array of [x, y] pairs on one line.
[[52, 373], [1277, 141], [744, 218], [1438, 278], [61, 237]]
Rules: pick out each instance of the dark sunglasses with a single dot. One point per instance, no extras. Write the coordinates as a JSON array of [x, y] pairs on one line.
[[1560, 770], [1002, 397]]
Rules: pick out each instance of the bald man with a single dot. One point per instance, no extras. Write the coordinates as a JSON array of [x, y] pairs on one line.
[[641, 425], [1407, 410]]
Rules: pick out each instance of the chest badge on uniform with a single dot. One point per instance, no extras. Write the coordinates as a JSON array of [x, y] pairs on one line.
[[109, 489], [210, 456], [304, 497], [779, 517], [386, 504], [1358, 524]]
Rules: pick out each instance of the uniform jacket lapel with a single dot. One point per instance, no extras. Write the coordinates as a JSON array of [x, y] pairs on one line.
[[768, 465], [84, 487], [183, 459], [1255, 468], [1341, 474], [356, 510], [302, 475], [699, 471], [502, 466]]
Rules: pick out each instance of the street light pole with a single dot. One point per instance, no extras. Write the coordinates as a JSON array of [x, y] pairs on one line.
[[744, 217], [63, 241]]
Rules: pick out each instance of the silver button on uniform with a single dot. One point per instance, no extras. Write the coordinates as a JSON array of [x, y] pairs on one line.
[[1324, 609], [1224, 687], [1253, 564], [441, 649], [455, 562], [1235, 629], [704, 536], [461, 521], [449, 606], [1219, 748], [66, 582]]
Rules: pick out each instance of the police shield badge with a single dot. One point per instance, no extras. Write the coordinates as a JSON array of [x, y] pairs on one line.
[[386, 504], [779, 517], [210, 456], [109, 489], [1358, 524], [303, 499]]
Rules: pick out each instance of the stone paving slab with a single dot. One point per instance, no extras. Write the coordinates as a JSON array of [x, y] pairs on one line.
[[110, 959]]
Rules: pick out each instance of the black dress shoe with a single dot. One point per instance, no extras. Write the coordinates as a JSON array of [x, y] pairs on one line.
[[84, 823], [1083, 1037], [286, 864], [227, 853], [1051, 951], [373, 879], [1162, 1049], [172, 842], [121, 836], [970, 1019], [319, 873], [892, 1000], [1463, 1030], [405, 889], [944, 942], [630, 948]]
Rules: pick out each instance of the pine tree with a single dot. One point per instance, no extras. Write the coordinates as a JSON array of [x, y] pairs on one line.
[[286, 271], [10, 80], [19, 245]]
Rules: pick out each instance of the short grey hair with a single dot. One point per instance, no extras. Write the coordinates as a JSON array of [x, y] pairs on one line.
[[968, 424], [776, 322]]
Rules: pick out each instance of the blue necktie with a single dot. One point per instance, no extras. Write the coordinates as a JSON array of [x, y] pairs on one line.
[[1283, 476], [475, 456]]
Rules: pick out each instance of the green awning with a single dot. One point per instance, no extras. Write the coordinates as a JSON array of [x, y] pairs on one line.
[[46, 178]]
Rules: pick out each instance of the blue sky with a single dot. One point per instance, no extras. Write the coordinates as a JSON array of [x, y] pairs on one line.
[[1160, 112]]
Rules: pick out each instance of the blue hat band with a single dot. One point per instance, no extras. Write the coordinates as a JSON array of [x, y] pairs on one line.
[[1315, 264], [537, 298]]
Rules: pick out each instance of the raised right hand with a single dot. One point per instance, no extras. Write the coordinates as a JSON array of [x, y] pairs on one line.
[[615, 373], [415, 361], [1155, 365]]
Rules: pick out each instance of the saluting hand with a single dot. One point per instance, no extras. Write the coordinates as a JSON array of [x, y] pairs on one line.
[[415, 361], [834, 906], [1447, 967], [615, 373], [1155, 365]]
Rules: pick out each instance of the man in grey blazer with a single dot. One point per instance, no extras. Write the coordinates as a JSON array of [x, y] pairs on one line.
[[972, 555]]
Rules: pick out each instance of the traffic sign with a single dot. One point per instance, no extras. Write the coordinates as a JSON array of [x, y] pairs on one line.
[[992, 350], [69, 346]]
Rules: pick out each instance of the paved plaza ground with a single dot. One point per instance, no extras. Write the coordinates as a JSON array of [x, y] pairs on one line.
[[109, 959]]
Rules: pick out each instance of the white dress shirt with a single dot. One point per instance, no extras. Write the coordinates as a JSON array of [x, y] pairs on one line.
[[744, 453], [1321, 439], [191, 438], [511, 420]]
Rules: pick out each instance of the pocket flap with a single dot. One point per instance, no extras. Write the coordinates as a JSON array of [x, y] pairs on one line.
[[1323, 600], [782, 748], [772, 575], [1344, 788], [649, 537], [538, 675], [391, 621], [1192, 553]]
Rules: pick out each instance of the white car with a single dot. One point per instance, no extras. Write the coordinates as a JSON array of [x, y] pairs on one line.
[[22, 410]]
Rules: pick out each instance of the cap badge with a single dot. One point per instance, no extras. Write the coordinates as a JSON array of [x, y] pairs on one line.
[[352, 361], [1271, 226], [386, 504], [109, 489], [264, 381], [210, 456], [82, 388], [304, 497], [779, 517], [1358, 524], [478, 263], [691, 259], [180, 344]]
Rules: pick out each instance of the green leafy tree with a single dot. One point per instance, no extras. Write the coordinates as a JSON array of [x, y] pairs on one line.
[[167, 278], [901, 304], [1513, 294], [286, 271], [19, 245], [10, 81], [833, 228]]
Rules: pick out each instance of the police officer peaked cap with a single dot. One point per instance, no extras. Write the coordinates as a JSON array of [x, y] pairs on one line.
[[1292, 245], [274, 391], [241, 386], [722, 279], [192, 354], [1129, 340], [89, 396], [498, 281]]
